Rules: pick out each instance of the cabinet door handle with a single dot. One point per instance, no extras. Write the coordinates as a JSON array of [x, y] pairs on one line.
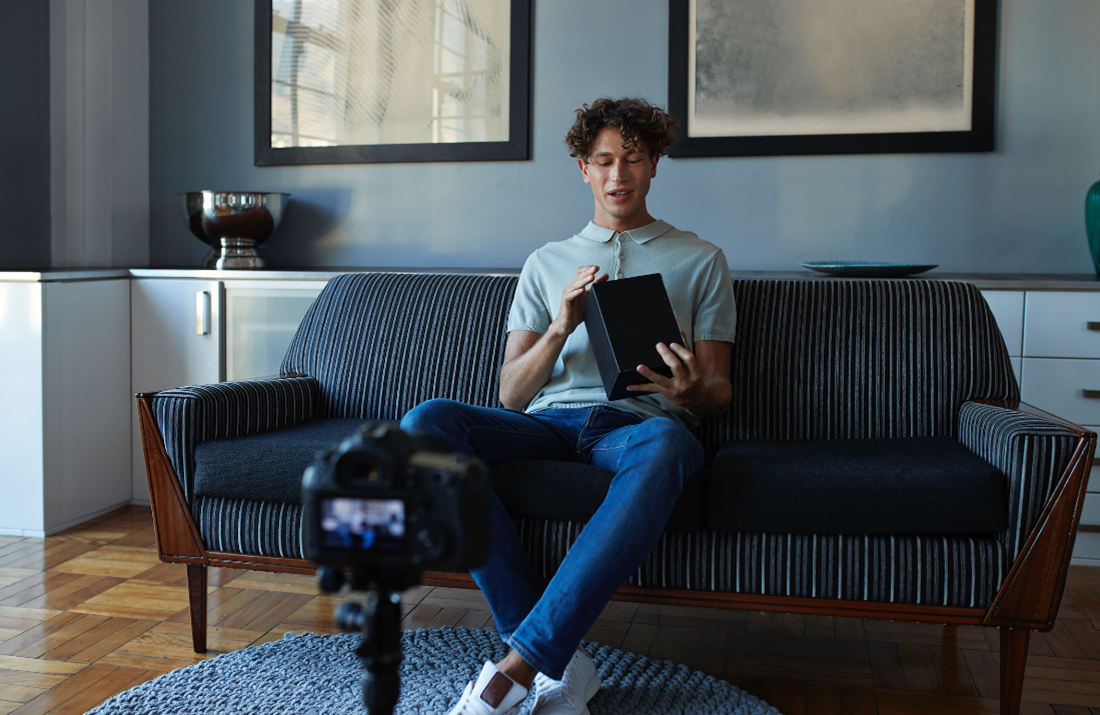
[[1093, 325], [1091, 394], [202, 312]]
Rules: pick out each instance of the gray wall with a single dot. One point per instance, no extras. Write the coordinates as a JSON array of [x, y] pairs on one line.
[[99, 125], [1019, 209], [25, 129]]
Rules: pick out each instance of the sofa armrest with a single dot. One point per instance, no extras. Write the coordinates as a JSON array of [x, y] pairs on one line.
[[1032, 448], [187, 416]]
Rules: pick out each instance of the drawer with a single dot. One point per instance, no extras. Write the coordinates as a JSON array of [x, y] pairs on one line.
[[1057, 386], [1008, 309], [1056, 325]]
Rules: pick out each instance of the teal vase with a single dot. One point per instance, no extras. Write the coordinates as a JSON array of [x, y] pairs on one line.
[[1092, 223]]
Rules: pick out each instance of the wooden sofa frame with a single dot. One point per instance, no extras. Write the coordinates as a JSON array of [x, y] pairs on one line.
[[1027, 600]]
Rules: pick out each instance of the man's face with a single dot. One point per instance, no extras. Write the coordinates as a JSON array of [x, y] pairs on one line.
[[620, 178]]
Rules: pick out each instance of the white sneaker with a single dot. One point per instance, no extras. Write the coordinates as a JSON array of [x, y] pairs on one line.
[[570, 695], [494, 693]]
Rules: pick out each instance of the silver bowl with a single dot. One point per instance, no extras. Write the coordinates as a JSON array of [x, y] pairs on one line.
[[234, 223]]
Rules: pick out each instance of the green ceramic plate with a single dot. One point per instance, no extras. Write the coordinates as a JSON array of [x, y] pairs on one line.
[[868, 269]]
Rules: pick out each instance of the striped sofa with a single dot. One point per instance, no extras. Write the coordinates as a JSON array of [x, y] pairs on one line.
[[834, 381]]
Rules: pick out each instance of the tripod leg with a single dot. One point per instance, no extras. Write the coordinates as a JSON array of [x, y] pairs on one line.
[[380, 651]]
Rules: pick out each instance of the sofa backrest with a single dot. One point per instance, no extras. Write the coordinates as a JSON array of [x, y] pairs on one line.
[[850, 359], [381, 343], [814, 359]]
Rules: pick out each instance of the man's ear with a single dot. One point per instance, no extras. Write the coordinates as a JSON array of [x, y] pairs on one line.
[[583, 165], [653, 170]]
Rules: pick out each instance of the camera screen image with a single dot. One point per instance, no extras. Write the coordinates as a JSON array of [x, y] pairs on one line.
[[363, 524]]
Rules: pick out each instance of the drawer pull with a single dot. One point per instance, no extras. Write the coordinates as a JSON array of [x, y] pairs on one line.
[[202, 312], [1093, 325], [1091, 394]]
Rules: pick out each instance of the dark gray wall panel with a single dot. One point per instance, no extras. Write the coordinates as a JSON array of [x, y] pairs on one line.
[[25, 136]]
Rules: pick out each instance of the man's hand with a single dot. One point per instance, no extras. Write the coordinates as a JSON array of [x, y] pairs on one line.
[[700, 384], [529, 357], [574, 297]]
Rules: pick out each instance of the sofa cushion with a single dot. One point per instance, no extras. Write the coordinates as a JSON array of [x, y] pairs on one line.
[[267, 466], [919, 485], [569, 491]]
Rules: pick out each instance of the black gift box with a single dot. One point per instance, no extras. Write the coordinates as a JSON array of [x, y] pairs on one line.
[[625, 320]]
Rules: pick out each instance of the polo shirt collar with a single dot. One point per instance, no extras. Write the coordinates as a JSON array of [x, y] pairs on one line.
[[643, 234]]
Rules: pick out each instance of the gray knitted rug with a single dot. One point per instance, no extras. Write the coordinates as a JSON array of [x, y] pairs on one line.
[[319, 674]]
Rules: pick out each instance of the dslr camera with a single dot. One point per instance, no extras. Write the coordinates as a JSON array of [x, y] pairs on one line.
[[387, 501], [378, 510]]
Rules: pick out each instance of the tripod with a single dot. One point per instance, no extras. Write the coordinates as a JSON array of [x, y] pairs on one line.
[[378, 619]]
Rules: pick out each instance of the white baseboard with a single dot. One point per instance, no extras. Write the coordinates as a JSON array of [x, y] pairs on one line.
[[23, 533]]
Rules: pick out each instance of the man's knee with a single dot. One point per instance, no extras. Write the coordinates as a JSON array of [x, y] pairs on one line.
[[677, 445], [429, 416]]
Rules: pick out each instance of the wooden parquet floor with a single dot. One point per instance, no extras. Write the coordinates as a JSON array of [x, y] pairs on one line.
[[91, 612]]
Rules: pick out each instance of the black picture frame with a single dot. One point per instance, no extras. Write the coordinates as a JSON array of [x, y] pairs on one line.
[[517, 148], [980, 137]]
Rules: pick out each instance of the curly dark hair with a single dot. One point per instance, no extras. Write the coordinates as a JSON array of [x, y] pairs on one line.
[[642, 125]]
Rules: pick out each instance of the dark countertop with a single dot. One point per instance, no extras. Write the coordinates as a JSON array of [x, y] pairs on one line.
[[984, 281]]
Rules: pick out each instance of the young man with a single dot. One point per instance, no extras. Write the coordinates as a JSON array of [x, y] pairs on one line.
[[557, 409]]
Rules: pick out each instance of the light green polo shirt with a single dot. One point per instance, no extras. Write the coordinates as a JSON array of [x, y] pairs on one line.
[[695, 274]]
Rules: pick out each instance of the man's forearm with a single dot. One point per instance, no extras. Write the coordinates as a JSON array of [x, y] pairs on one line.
[[522, 377]]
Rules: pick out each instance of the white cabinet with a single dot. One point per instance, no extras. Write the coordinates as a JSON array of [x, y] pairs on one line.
[[1062, 375], [1059, 370], [64, 422], [21, 439], [188, 331], [176, 340]]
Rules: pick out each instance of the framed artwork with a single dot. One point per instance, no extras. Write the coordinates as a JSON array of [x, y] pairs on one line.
[[367, 81], [795, 77]]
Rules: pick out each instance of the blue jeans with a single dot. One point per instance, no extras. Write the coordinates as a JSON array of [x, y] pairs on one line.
[[651, 459]]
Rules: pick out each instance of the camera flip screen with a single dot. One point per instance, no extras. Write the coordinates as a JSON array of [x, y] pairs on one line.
[[363, 524]]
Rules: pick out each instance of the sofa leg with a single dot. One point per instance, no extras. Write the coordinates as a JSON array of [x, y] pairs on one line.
[[196, 596], [1013, 661]]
